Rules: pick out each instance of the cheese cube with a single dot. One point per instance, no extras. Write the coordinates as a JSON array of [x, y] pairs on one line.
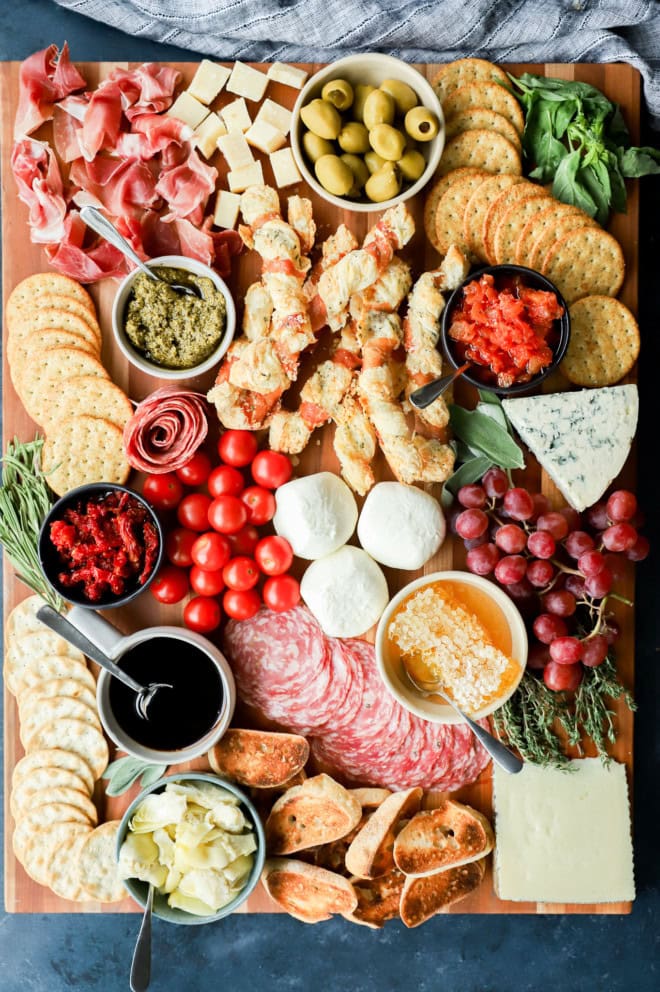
[[280, 72], [226, 209], [189, 110], [208, 81], [207, 134], [284, 168], [265, 137], [246, 81], [274, 114], [248, 175], [236, 116], [235, 149]]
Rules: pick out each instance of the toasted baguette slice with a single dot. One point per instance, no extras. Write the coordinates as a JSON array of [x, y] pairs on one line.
[[378, 899], [370, 798], [258, 758], [423, 897], [333, 856], [316, 812], [445, 837], [306, 892], [370, 854]]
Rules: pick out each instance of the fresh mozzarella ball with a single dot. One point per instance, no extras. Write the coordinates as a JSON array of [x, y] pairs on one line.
[[401, 526], [346, 591], [316, 514]]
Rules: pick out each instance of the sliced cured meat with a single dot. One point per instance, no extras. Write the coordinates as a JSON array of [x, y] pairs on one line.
[[226, 244], [122, 187], [43, 79], [66, 135], [84, 264], [150, 135], [39, 182], [166, 430], [188, 186], [148, 89], [102, 121]]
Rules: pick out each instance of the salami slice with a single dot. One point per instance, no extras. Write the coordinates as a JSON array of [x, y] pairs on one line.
[[166, 430]]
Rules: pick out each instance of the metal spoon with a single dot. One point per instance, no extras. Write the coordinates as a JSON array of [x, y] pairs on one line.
[[425, 395], [505, 758], [51, 618], [141, 963], [95, 219]]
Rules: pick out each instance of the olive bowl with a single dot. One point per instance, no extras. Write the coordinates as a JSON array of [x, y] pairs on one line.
[[372, 69], [137, 358]]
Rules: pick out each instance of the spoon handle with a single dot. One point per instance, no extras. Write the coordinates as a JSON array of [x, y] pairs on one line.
[[425, 395], [505, 758], [95, 219], [141, 964], [61, 626]]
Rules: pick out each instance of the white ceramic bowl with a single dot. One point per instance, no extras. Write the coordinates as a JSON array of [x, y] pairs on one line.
[[371, 69], [139, 360], [394, 677]]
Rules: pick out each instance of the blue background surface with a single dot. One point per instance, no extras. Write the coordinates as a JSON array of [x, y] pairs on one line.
[[470, 954]]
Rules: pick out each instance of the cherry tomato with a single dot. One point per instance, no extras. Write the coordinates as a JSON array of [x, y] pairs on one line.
[[241, 574], [260, 504], [206, 583], [227, 514], [237, 448], [271, 469], [561, 678], [193, 511], [281, 593], [211, 551], [163, 492], [225, 480], [202, 614], [241, 605], [196, 471], [170, 585], [244, 541], [274, 555], [178, 545]]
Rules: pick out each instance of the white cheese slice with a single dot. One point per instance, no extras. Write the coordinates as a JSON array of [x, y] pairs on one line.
[[563, 837], [581, 439], [235, 149], [285, 170], [280, 72], [189, 110], [275, 114], [248, 175], [208, 81], [227, 206], [207, 134], [236, 116], [265, 137], [246, 81]]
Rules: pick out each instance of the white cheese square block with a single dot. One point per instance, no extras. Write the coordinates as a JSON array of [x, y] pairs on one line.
[[284, 168], [227, 206], [189, 110], [248, 175], [235, 149], [275, 114], [581, 439], [562, 836], [236, 116], [280, 72], [265, 137], [208, 81], [207, 134], [247, 82]]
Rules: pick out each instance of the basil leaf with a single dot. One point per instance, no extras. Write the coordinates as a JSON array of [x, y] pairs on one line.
[[596, 180], [565, 113], [636, 162], [616, 130], [469, 472], [619, 194], [568, 188], [483, 434]]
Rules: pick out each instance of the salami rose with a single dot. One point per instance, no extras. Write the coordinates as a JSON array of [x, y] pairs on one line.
[[166, 430]]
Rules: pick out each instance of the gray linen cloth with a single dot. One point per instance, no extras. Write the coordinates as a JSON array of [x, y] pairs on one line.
[[414, 30]]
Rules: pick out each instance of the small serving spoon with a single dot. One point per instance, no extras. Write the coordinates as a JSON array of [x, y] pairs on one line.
[[505, 758], [145, 693], [141, 963], [95, 219], [425, 395]]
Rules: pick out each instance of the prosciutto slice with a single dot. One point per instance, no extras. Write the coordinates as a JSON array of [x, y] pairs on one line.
[[187, 187], [84, 264], [44, 79], [39, 184]]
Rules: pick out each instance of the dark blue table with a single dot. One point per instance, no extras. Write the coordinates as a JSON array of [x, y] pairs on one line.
[[450, 953]]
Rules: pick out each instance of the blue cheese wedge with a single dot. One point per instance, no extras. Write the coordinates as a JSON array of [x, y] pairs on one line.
[[581, 439]]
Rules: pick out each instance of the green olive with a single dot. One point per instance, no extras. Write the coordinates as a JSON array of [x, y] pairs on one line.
[[322, 118], [384, 184], [412, 165], [379, 108], [421, 124], [339, 93], [403, 95], [358, 168], [334, 175], [354, 138], [315, 146], [373, 162], [362, 91], [387, 142]]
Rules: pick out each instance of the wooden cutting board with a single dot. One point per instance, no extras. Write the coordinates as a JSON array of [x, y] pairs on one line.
[[21, 258]]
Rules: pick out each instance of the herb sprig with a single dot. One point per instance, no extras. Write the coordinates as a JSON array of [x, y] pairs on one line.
[[483, 439], [124, 772]]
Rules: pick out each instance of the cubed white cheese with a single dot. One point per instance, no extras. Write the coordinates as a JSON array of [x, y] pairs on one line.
[[248, 175], [265, 137], [236, 116], [236, 150], [275, 114], [284, 168], [207, 134], [280, 72], [248, 82], [208, 81], [227, 206], [189, 110]]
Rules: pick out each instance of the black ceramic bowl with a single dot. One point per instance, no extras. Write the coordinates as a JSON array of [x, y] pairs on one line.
[[535, 281], [49, 559]]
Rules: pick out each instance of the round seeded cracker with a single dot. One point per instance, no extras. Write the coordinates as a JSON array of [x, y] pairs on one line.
[[59, 301], [462, 72], [75, 735], [489, 95], [548, 227], [38, 381], [55, 666], [43, 818], [52, 759], [481, 149], [30, 350], [23, 340], [482, 117], [29, 292], [64, 870], [23, 618], [37, 846], [450, 212], [511, 225], [477, 209], [59, 794], [587, 262], [435, 194], [38, 782], [604, 342], [98, 864], [84, 394], [44, 711], [48, 688], [501, 206], [81, 450], [22, 651]]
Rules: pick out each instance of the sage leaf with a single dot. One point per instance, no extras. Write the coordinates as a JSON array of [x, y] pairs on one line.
[[124, 772], [152, 774], [468, 473], [483, 434]]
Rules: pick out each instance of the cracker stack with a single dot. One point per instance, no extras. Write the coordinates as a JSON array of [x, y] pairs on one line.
[[53, 348]]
